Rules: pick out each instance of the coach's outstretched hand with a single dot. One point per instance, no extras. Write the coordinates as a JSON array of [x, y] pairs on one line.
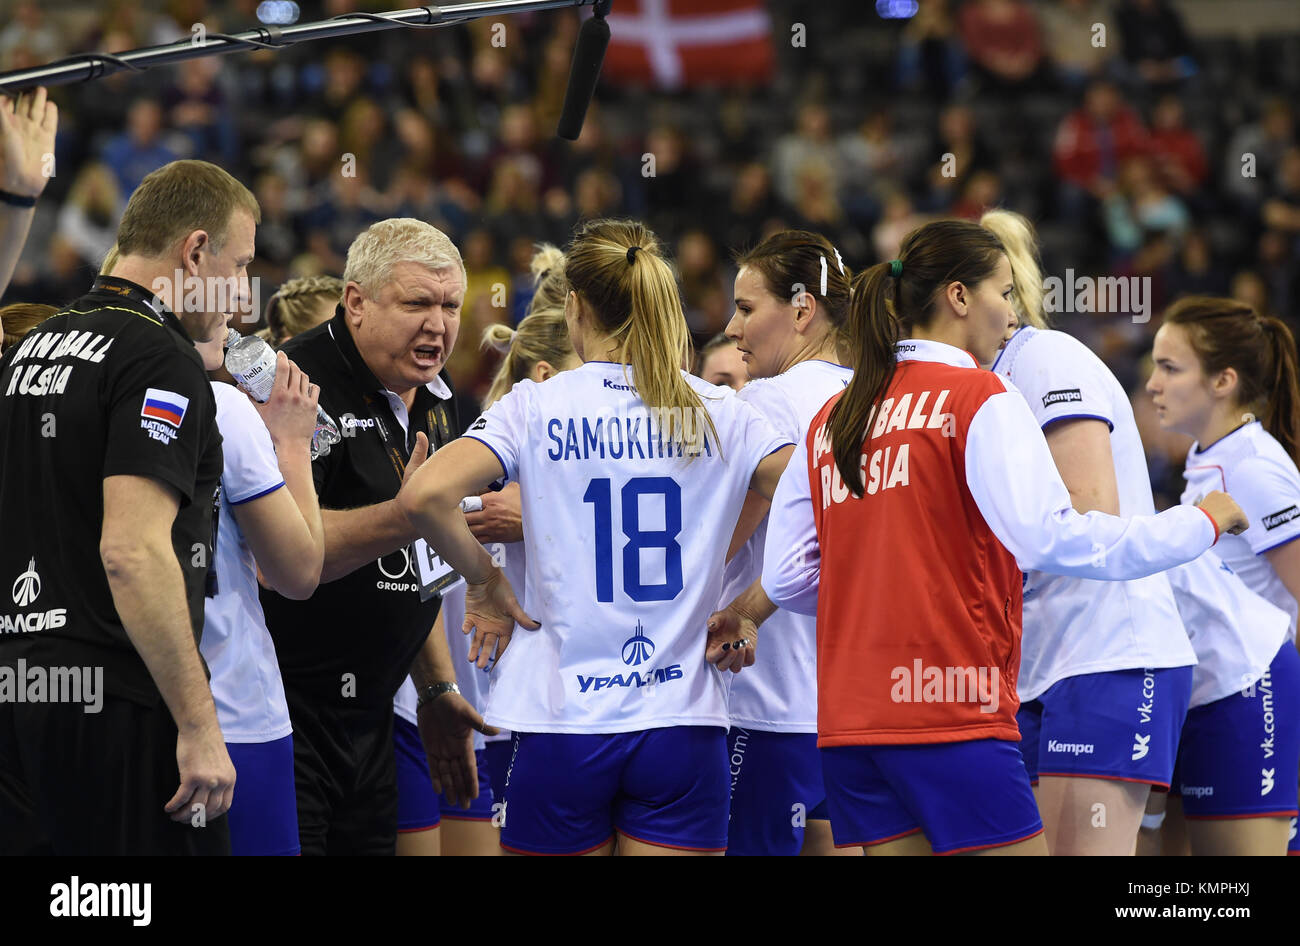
[[491, 612], [733, 639], [207, 777], [447, 725]]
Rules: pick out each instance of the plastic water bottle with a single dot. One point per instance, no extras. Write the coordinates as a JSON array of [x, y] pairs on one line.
[[251, 362]]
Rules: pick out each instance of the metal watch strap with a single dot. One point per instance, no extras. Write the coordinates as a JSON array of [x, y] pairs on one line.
[[428, 694]]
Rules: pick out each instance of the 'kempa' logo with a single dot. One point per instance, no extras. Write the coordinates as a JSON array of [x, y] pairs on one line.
[[1281, 518], [1062, 397], [27, 586]]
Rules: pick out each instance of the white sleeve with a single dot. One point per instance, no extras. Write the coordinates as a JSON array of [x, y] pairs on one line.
[[1063, 380], [791, 556], [1018, 490], [250, 469], [770, 401], [757, 438], [501, 428], [1270, 497]]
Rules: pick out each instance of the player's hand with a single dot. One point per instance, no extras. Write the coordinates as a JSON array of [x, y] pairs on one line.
[[1223, 509], [447, 726], [290, 412], [27, 127], [501, 519], [733, 639], [207, 776], [491, 613]]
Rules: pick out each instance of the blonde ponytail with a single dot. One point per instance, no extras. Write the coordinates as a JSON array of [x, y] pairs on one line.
[[618, 269], [1020, 242], [542, 335]]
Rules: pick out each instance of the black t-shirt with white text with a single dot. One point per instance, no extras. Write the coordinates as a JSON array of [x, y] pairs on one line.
[[111, 385]]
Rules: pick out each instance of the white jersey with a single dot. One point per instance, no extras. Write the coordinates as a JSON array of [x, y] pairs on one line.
[[625, 544], [246, 684], [1254, 468], [1235, 633], [1075, 626], [472, 681], [779, 693]]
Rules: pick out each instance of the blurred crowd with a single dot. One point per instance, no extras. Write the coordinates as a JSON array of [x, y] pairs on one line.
[[1137, 148]]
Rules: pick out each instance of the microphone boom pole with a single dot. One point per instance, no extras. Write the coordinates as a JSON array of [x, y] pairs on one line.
[[87, 66]]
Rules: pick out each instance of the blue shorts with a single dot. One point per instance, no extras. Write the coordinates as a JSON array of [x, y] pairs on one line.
[[264, 814], [568, 793], [417, 802], [1240, 756], [480, 809], [499, 754], [776, 786], [1122, 724], [963, 795]]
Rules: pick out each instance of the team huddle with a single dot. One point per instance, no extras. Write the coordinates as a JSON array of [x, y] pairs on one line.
[[903, 592]]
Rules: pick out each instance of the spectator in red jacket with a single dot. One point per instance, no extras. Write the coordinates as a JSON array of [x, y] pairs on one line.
[[1093, 141], [1004, 42], [1178, 152]]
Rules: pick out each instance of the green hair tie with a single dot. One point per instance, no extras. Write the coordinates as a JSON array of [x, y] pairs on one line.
[[896, 268]]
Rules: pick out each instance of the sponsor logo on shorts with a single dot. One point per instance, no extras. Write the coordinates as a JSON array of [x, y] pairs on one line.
[[738, 756], [1196, 791], [1070, 748], [1145, 709], [1266, 781], [1281, 518], [1265, 690], [1064, 396]]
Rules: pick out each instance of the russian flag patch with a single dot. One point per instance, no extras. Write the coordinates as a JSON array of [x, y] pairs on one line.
[[166, 406]]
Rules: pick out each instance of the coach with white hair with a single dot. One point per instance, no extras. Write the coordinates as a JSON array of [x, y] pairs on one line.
[[345, 651]]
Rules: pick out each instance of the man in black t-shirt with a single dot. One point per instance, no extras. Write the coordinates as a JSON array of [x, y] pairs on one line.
[[344, 652], [107, 525]]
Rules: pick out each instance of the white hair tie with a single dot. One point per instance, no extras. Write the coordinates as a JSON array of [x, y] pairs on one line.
[[839, 259], [823, 259]]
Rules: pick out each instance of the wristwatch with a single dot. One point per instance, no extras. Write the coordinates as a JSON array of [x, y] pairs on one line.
[[430, 693]]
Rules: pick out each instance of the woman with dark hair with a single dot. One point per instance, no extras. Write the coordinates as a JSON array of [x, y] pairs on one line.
[[1229, 377], [792, 297], [901, 524]]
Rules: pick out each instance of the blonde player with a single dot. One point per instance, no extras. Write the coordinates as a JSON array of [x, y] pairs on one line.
[[629, 470], [1105, 666], [792, 295], [1228, 377]]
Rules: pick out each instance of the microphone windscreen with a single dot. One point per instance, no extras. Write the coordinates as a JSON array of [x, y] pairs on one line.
[[588, 54]]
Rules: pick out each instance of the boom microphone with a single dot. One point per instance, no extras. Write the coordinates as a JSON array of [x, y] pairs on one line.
[[588, 54]]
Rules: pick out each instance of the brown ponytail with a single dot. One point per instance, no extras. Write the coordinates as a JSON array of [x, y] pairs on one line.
[[1228, 333], [885, 308]]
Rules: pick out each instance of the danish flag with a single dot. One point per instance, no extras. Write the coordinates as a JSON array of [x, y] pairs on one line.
[[673, 43]]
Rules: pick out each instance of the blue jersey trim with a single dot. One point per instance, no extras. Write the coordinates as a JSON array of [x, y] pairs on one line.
[[265, 492], [1053, 420], [504, 475], [1277, 545]]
